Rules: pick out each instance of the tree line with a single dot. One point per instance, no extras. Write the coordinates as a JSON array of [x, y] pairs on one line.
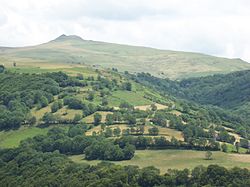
[[25, 166]]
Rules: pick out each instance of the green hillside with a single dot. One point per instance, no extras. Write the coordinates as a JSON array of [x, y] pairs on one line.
[[228, 91], [161, 63], [63, 119]]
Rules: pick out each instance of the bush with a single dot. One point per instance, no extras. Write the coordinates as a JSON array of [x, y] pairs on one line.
[[97, 118], [154, 131], [73, 103]]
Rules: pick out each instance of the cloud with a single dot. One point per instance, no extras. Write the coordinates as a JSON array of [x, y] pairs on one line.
[[209, 26]]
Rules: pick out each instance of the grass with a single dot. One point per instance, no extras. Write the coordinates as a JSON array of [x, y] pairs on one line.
[[40, 113], [145, 107], [68, 113], [176, 159], [134, 98], [176, 112], [64, 112], [12, 138], [166, 132], [162, 63], [232, 148], [43, 67], [90, 118], [98, 129]]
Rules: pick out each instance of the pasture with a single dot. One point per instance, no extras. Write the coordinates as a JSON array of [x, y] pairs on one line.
[[12, 138], [176, 159]]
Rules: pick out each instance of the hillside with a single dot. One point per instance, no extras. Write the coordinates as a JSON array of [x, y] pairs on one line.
[[67, 119], [160, 63], [228, 91], [78, 95]]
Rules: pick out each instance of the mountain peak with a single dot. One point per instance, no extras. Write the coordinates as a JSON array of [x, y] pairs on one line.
[[64, 37]]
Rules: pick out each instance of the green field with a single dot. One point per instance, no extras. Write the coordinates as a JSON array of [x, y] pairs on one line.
[[177, 159], [162, 63], [133, 98], [12, 138]]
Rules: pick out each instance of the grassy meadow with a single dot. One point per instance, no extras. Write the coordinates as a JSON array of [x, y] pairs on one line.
[[12, 138], [176, 159]]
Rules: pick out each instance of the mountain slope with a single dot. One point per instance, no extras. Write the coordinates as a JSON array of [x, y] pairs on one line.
[[228, 91], [161, 63]]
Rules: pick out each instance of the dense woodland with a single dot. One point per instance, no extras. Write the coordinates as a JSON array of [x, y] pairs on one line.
[[229, 91]]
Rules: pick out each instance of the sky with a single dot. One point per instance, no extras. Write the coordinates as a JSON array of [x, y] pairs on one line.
[[215, 27]]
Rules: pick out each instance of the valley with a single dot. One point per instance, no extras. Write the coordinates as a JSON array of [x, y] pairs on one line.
[[91, 116]]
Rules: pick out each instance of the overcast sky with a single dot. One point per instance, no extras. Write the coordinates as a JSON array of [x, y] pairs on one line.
[[217, 27]]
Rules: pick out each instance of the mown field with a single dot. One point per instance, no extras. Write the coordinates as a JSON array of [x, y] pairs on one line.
[[177, 159]]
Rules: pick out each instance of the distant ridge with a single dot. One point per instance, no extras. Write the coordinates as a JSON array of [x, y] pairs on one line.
[[160, 63], [64, 37]]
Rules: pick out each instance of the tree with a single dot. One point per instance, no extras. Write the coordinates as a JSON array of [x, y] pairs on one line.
[[2, 68], [77, 118], [226, 137], [126, 132], [54, 107], [97, 118], [109, 119], [188, 133], [126, 105], [131, 119], [149, 176], [154, 131], [175, 142], [108, 132], [113, 152], [198, 173], [140, 129], [43, 101], [103, 126], [79, 76], [127, 86], [237, 145], [129, 151], [224, 147], [75, 131], [117, 131], [142, 121], [32, 120], [208, 155], [161, 142], [117, 116], [244, 143], [153, 107], [104, 101], [49, 118], [73, 103], [91, 96]]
